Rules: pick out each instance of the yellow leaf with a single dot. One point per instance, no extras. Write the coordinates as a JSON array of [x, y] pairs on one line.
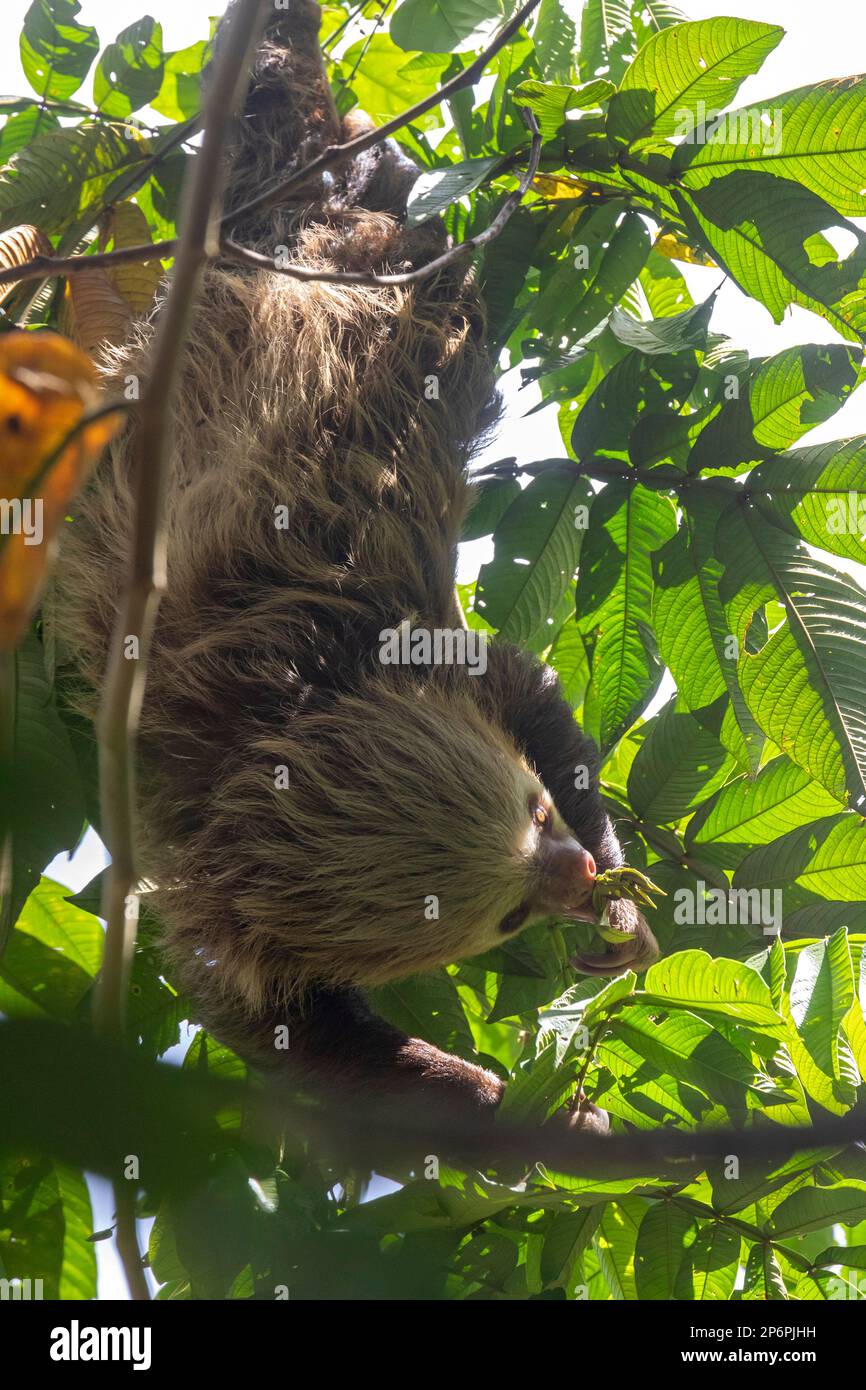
[[46, 387], [676, 250], [135, 281], [559, 187]]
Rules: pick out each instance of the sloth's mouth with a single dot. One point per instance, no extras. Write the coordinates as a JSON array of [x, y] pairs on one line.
[[582, 914]]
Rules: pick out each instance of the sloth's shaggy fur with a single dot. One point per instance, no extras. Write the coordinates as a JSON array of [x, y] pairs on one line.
[[315, 497]]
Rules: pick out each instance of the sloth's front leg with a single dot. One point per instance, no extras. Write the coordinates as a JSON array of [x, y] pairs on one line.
[[343, 1051]]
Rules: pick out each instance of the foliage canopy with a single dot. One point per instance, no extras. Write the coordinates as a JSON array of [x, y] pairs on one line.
[[684, 528]]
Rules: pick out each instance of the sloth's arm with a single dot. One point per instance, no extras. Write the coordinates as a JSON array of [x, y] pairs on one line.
[[340, 1048], [526, 699], [346, 1053]]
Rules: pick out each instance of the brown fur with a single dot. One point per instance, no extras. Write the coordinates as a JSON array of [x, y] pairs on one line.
[[402, 783]]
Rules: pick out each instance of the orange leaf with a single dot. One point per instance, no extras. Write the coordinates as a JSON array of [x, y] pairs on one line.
[[47, 387]]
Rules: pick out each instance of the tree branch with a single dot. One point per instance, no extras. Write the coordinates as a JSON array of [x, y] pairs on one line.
[[347, 1127], [124, 687], [335, 155], [40, 267], [410, 277]]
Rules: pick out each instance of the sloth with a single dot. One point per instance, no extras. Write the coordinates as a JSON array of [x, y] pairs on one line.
[[314, 820]]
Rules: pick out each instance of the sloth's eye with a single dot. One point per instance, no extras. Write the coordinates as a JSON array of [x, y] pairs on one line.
[[540, 817]]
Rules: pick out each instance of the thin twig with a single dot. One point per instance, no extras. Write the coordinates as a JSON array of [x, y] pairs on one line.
[[336, 155], [423, 272], [40, 267], [43, 267], [124, 685]]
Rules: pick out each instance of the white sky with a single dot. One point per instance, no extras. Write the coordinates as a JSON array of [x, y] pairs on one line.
[[823, 40]]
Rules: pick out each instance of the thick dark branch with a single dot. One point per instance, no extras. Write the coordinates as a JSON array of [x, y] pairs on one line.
[[666, 1153]]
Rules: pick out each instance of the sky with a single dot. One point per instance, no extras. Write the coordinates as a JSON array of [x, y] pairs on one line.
[[822, 41]]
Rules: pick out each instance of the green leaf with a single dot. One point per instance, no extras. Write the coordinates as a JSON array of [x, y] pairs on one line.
[[678, 765], [664, 335], [826, 857], [45, 1232], [807, 687], [568, 1235], [615, 1245], [664, 286], [445, 26], [728, 988], [555, 40], [683, 66], [19, 130], [777, 400], [56, 51], [51, 958], [427, 1006], [821, 994], [660, 1250], [61, 174], [550, 101], [767, 233], [712, 1263], [130, 72], [388, 80], [798, 389], [812, 1208], [569, 660], [179, 96], [752, 1181], [606, 39], [813, 136], [46, 813], [493, 497], [616, 268], [538, 1088], [818, 493], [614, 598], [537, 544], [690, 1050], [756, 811], [436, 189], [691, 628]]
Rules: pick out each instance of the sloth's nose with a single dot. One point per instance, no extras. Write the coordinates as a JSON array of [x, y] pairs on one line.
[[583, 867]]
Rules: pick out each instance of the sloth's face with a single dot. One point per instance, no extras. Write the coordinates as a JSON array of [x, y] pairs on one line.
[[411, 834], [560, 872]]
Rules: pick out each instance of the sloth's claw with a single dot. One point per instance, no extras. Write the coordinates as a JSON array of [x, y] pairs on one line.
[[632, 945]]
